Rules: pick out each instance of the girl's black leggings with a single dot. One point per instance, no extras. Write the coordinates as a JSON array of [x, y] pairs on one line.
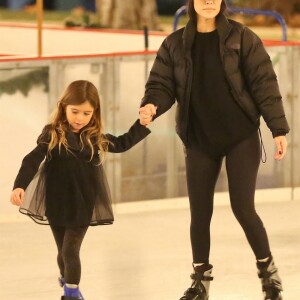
[[202, 172], [68, 242]]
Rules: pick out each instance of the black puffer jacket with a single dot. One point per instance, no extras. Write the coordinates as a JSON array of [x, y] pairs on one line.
[[247, 66]]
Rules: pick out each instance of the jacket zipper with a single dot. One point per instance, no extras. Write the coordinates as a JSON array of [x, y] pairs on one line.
[[188, 95]]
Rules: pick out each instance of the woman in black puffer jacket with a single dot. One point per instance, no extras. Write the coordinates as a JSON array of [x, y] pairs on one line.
[[222, 79]]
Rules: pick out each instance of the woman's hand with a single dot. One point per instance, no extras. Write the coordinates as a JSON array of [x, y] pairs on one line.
[[146, 114], [281, 145], [17, 196]]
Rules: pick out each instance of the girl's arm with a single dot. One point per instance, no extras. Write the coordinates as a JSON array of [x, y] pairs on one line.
[[17, 196], [32, 161], [124, 142], [30, 166]]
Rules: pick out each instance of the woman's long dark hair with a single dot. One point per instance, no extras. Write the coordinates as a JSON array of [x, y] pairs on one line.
[[193, 14]]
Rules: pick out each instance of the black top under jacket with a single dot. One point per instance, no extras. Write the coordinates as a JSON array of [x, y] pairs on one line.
[[217, 122]]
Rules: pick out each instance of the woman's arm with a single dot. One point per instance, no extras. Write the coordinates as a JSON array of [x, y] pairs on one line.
[[263, 86], [262, 83], [160, 86], [281, 147]]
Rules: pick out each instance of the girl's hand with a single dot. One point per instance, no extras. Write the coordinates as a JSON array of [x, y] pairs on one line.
[[146, 114], [281, 145], [17, 196]]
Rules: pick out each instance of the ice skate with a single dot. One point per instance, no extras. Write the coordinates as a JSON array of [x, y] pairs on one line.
[[72, 294], [199, 289], [61, 282], [270, 280]]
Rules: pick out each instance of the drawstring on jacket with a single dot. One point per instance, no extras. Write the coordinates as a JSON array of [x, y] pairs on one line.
[[263, 154]]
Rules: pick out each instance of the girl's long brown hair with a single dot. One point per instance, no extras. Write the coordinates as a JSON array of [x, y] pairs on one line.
[[77, 93], [193, 14]]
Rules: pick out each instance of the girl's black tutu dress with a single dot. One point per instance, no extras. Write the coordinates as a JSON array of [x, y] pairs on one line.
[[68, 189]]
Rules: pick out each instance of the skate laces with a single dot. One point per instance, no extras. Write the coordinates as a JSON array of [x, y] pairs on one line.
[[190, 293], [200, 277], [271, 282], [197, 288]]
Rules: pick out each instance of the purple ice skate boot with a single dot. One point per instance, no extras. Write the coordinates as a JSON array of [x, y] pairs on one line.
[[72, 294]]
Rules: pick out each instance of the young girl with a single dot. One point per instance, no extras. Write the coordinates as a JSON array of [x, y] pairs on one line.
[[69, 191]]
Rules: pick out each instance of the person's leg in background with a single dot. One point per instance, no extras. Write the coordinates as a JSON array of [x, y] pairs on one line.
[[104, 9], [89, 5]]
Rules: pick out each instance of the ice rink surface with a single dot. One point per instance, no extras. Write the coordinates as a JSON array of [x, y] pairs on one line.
[[147, 256]]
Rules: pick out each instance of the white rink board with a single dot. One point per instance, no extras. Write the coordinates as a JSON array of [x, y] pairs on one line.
[[22, 40]]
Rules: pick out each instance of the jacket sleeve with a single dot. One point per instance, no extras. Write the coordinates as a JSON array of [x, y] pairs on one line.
[[31, 162], [124, 142], [160, 86], [262, 83]]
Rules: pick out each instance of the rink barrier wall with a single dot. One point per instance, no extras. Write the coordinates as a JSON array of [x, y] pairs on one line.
[[145, 173]]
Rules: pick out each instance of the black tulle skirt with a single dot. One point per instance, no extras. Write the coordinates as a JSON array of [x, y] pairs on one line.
[[69, 193]]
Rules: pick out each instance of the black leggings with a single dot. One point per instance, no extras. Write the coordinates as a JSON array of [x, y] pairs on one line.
[[68, 241], [202, 172]]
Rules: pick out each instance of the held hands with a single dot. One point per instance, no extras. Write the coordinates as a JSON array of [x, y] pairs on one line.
[[146, 114], [281, 145], [17, 196]]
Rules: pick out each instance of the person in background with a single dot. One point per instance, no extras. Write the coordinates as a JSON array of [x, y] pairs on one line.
[[18, 4], [223, 81], [28, 5], [68, 191]]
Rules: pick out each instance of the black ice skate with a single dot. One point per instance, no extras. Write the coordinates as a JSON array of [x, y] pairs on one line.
[[199, 289], [270, 280]]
